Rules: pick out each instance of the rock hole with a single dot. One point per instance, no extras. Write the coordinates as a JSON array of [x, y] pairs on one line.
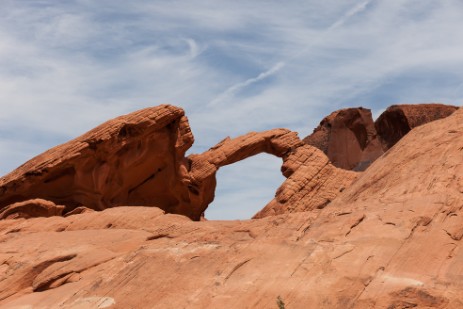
[[245, 187]]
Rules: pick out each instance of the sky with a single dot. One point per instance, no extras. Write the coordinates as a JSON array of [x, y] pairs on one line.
[[234, 66]]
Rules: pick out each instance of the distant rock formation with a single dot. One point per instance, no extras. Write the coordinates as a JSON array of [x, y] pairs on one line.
[[139, 160], [352, 141]]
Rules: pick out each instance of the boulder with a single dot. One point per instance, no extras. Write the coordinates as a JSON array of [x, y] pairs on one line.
[[398, 120]]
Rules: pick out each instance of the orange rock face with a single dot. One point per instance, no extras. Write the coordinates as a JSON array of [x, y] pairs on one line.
[[352, 141], [139, 159], [348, 137], [130, 160], [398, 120], [392, 239]]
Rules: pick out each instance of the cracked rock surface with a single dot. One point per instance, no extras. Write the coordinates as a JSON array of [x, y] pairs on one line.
[[392, 239], [139, 160]]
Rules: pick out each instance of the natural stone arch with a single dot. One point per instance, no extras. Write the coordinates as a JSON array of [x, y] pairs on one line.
[[139, 160]]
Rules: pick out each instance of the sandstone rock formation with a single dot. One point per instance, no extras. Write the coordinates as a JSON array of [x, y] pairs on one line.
[[393, 239], [139, 160], [30, 209], [398, 120], [131, 160], [348, 137], [352, 141], [312, 182]]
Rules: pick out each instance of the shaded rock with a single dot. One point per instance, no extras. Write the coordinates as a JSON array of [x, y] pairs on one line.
[[398, 120], [139, 159], [31, 209], [352, 141], [348, 137], [131, 160], [79, 210]]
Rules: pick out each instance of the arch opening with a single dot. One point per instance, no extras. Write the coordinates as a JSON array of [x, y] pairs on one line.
[[245, 187]]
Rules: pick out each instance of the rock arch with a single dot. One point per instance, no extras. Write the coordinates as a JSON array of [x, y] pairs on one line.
[[139, 159]]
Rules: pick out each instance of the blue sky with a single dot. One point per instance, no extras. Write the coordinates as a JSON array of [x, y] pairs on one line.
[[234, 66]]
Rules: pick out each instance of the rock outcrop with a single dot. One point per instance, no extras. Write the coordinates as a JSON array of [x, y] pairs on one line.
[[312, 181], [398, 120], [31, 209], [348, 137], [352, 141], [139, 160], [393, 239], [131, 160]]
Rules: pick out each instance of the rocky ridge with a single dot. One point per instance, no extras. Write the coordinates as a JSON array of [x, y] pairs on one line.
[[139, 160], [352, 140], [392, 239]]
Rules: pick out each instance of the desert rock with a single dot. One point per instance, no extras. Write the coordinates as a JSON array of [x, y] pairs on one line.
[[352, 141], [130, 160], [312, 181], [348, 137], [390, 240], [30, 209], [398, 120], [139, 160]]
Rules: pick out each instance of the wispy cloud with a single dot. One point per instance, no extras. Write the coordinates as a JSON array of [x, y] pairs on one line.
[[349, 14], [237, 87]]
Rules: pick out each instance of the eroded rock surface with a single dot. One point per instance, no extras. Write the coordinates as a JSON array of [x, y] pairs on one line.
[[30, 209], [130, 160], [398, 120], [139, 159], [348, 137], [312, 181], [393, 239], [352, 141]]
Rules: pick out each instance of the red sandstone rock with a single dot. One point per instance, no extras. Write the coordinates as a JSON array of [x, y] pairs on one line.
[[393, 239], [30, 209], [130, 160], [398, 120], [312, 182], [348, 137], [352, 141], [138, 159]]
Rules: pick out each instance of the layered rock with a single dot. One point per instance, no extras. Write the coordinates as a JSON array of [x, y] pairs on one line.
[[393, 239], [131, 160], [352, 141], [139, 159], [312, 183]]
